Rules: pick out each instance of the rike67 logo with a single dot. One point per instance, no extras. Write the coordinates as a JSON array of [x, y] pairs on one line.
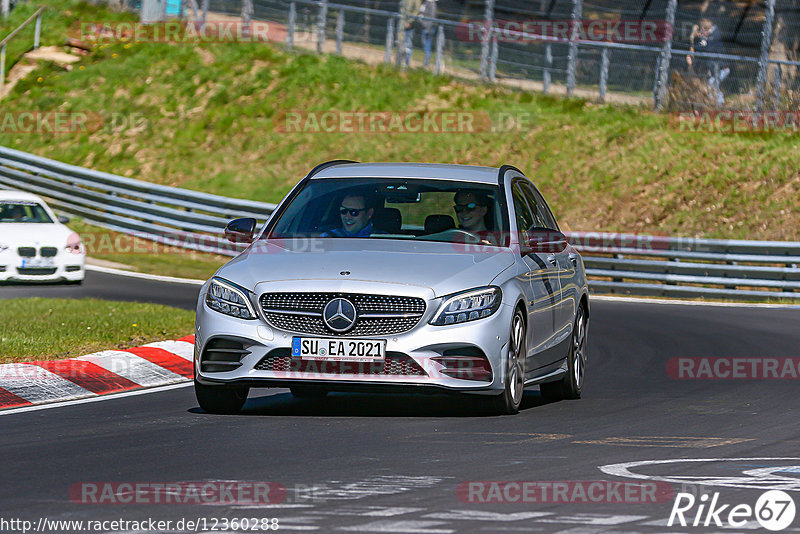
[[774, 510]]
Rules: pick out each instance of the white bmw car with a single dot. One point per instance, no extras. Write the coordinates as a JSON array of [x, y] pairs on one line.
[[35, 245]]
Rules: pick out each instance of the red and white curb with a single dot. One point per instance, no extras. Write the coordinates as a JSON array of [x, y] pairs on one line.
[[109, 371]]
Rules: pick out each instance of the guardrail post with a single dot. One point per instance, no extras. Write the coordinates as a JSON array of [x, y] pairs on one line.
[[322, 18], [2, 67], [665, 59], [763, 62], [339, 32], [776, 86], [572, 61], [488, 23], [493, 57], [292, 24], [604, 61], [387, 56], [548, 60]]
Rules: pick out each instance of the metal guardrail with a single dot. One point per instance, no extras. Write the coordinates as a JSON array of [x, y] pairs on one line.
[[690, 267], [616, 263], [169, 215]]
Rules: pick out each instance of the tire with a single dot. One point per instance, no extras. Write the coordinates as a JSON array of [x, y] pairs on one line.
[[218, 399], [509, 401], [571, 386], [308, 392]]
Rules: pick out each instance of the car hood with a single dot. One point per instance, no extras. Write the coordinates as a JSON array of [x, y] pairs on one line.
[[34, 234], [370, 264]]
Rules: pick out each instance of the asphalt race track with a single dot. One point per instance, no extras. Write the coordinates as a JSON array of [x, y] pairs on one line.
[[380, 463], [110, 287]]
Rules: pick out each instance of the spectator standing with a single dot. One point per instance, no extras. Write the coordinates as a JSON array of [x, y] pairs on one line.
[[427, 11], [707, 37]]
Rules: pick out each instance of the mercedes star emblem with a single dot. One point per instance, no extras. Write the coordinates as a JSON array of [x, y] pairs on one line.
[[339, 315]]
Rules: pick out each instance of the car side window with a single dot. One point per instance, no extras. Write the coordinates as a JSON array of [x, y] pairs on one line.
[[542, 214], [524, 216]]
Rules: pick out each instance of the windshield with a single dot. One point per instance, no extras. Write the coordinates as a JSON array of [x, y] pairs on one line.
[[381, 208], [18, 211]]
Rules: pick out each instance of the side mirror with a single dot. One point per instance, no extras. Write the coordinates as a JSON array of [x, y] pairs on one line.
[[63, 219], [241, 230], [544, 241]]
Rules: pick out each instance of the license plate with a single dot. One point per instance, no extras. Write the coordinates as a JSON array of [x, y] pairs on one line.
[[37, 262], [339, 350]]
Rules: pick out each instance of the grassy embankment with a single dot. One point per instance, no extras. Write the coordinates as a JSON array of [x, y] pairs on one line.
[[69, 328], [213, 115]]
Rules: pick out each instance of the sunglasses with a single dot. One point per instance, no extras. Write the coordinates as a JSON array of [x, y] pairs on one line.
[[465, 207], [353, 212]]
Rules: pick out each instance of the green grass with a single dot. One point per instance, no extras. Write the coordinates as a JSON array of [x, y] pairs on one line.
[[144, 256], [208, 117], [69, 328]]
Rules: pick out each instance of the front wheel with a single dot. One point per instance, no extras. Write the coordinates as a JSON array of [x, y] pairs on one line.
[[509, 401], [217, 399], [571, 386]]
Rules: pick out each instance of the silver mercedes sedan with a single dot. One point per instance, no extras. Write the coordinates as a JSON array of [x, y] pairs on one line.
[[397, 277]]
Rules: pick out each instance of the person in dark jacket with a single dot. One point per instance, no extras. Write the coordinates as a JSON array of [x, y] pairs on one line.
[[707, 38]]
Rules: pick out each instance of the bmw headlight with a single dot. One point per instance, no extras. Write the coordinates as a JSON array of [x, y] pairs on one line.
[[468, 306], [230, 299]]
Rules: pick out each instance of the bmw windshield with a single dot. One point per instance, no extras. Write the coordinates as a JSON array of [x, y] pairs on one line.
[[408, 209], [19, 211]]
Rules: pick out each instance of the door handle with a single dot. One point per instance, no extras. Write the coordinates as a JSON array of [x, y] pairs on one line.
[[552, 259]]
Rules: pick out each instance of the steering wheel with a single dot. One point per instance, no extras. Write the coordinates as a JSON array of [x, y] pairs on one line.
[[452, 234]]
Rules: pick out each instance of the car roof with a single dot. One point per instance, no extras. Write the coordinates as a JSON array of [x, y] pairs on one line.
[[20, 195], [436, 171]]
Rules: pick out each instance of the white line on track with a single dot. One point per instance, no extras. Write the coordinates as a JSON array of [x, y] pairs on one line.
[[98, 398], [145, 276]]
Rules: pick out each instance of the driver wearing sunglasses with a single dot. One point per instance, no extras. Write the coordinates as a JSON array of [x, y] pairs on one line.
[[356, 218], [471, 208]]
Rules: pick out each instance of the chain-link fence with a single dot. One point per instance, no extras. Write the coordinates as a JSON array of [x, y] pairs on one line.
[[693, 55]]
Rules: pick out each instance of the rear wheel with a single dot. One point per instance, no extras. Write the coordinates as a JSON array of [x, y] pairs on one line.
[[308, 392], [509, 401], [217, 399], [571, 386]]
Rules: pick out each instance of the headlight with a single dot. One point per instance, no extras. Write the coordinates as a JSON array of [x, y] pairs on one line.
[[230, 299], [468, 306], [3, 247]]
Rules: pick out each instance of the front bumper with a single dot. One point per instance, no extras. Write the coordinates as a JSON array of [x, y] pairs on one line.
[[65, 266], [422, 344]]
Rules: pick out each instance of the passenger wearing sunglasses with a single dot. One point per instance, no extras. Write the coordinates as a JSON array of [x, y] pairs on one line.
[[356, 218]]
